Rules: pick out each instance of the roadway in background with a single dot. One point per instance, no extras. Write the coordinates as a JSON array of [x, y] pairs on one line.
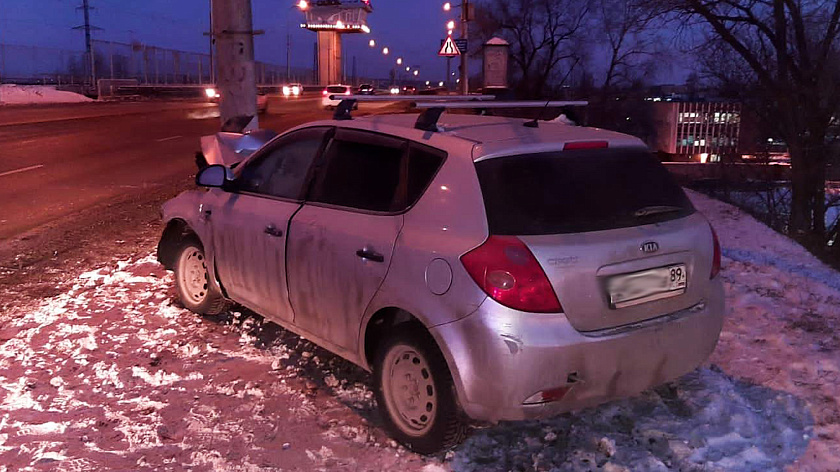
[[60, 160]]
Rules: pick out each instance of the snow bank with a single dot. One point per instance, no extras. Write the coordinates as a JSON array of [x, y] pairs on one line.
[[11, 94], [704, 421]]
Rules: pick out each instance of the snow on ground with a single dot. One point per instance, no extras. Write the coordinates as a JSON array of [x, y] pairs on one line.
[[11, 94], [113, 375]]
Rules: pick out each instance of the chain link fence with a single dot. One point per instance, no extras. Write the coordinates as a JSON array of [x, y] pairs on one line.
[[147, 64]]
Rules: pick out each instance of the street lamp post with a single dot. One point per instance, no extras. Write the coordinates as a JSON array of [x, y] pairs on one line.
[[465, 73], [465, 19]]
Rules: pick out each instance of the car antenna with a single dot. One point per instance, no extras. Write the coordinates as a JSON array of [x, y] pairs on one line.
[[535, 123]]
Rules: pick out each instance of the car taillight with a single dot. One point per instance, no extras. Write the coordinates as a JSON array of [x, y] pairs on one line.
[[716, 256], [578, 145], [325, 93], [347, 93], [509, 273]]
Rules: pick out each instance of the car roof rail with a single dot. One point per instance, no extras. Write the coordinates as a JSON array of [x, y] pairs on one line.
[[414, 98], [434, 106], [432, 111], [344, 109]]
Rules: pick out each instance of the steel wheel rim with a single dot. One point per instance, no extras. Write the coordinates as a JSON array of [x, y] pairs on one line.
[[409, 390], [192, 275]]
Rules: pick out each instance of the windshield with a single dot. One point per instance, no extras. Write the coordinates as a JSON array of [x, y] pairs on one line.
[[578, 191]]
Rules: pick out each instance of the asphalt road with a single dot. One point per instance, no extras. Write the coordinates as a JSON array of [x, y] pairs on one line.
[[56, 161]]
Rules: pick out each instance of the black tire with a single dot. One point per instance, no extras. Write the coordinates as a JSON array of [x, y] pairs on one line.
[[444, 425], [192, 281]]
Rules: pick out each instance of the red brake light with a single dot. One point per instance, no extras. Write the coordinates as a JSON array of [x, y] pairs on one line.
[[347, 93], [509, 273], [325, 93], [716, 256], [576, 146]]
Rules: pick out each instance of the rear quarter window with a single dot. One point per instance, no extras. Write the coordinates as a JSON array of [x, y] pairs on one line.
[[578, 191]]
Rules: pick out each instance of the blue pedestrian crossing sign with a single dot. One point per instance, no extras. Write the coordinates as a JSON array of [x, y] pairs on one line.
[[449, 48]]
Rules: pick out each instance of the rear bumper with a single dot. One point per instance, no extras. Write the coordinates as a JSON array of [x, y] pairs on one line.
[[500, 357], [327, 103]]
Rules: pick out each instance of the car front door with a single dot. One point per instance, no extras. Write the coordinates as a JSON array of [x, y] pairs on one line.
[[251, 222], [341, 241]]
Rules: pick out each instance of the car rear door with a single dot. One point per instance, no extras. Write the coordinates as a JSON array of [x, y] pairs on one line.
[[341, 241], [251, 222]]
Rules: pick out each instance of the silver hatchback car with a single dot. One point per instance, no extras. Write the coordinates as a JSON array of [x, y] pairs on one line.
[[487, 270]]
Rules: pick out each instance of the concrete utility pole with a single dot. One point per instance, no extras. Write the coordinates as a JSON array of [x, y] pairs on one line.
[[465, 29], [235, 77], [212, 39]]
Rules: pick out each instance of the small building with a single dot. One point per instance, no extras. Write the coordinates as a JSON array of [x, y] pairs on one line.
[[696, 131]]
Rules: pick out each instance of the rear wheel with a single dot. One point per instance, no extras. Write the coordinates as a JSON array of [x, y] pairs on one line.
[[415, 394], [192, 281]]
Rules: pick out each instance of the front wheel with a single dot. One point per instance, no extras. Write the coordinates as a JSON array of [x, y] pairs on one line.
[[415, 394], [192, 281]]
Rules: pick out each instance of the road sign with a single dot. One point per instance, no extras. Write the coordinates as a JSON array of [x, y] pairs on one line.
[[461, 43], [449, 48]]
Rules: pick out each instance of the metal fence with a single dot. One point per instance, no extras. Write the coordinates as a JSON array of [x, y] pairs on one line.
[[147, 64]]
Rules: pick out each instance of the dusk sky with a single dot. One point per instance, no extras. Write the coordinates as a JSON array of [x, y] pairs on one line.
[[411, 29]]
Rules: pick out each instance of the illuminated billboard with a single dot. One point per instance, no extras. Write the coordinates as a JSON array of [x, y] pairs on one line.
[[346, 16]]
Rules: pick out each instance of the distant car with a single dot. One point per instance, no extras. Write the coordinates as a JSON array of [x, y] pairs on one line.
[[292, 90], [212, 94], [409, 90], [366, 89], [394, 90], [331, 90], [490, 269]]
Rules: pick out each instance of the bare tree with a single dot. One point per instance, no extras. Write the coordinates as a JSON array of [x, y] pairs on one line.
[[542, 34], [790, 48], [626, 28]]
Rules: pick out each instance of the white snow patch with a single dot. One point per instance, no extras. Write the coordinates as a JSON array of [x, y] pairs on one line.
[[19, 396], [11, 94], [162, 378], [40, 429]]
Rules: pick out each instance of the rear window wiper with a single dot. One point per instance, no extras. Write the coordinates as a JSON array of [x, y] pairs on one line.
[[656, 210]]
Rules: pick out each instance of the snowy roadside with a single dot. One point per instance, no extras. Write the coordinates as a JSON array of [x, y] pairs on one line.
[[11, 94], [112, 376], [783, 327]]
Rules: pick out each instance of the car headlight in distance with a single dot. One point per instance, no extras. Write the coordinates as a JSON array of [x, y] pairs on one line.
[[395, 91], [296, 90], [211, 93], [286, 91]]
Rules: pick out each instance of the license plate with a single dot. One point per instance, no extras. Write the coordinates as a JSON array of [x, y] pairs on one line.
[[649, 285]]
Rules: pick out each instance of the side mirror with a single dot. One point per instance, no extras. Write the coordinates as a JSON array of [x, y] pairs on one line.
[[215, 176]]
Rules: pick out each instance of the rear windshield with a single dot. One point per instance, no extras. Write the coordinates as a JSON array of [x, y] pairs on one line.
[[578, 191], [336, 89]]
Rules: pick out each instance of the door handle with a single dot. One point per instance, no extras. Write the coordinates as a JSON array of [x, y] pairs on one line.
[[370, 255], [272, 230]]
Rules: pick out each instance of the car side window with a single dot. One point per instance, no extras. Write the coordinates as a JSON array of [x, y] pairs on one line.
[[423, 164], [362, 171], [282, 170]]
